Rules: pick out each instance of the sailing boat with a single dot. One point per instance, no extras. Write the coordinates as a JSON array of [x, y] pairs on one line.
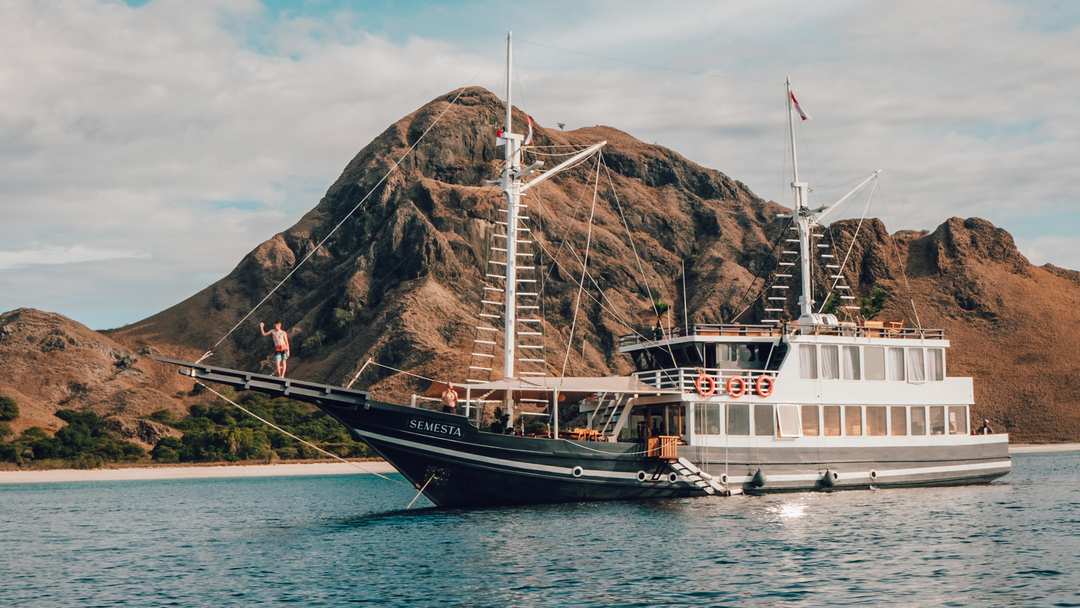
[[812, 405]]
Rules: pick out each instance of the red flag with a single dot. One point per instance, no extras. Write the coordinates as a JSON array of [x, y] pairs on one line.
[[528, 140], [499, 139], [798, 108]]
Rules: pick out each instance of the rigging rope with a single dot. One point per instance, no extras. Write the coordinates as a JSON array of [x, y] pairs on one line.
[[584, 271], [309, 444]]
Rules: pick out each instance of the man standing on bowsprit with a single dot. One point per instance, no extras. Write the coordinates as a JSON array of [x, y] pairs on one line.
[[281, 345]]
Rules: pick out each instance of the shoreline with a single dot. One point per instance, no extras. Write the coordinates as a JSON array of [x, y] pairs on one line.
[[290, 469], [197, 472]]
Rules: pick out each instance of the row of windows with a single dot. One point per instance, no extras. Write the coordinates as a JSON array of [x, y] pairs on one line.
[[829, 420], [832, 362]]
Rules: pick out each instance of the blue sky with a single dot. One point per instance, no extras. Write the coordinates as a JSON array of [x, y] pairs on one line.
[[146, 146]]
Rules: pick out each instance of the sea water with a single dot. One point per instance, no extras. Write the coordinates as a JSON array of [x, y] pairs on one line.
[[349, 540]]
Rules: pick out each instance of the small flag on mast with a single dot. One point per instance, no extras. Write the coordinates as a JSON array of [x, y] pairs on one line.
[[528, 140], [499, 139], [798, 108]]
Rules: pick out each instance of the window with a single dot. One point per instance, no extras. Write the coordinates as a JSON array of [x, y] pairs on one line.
[[830, 362], [935, 363], [958, 420], [916, 369], [895, 364], [810, 421], [874, 362], [832, 420], [707, 418], [808, 361], [876, 421], [852, 369], [937, 420], [764, 425], [675, 422], [918, 420], [788, 416], [898, 414], [853, 420], [738, 419]]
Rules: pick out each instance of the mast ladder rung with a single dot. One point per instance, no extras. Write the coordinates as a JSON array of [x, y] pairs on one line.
[[783, 276], [781, 287], [491, 302], [522, 294], [530, 321], [500, 223], [853, 307], [526, 280], [792, 240], [530, 346], [486, 328], [774, 310], [533, 400], [498, 249], [770, 320], [500, 236], [777, 299], [531, 374], [832, 265], [496, 263], [489, 316], [494, 289], [847, 297], [787, 263], [816, 235], [836, 276], [529, 333], [486, 369], [495, 276], [828, 256], [842, 287], [530, 360], [524, 267], [823, 245], [483, 341], [483, 355], [528, 306]]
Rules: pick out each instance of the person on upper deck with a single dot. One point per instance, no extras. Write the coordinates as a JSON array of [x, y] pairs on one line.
[[985, 429]]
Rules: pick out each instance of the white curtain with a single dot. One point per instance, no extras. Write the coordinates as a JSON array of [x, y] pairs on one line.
[[830, 363], [851, 363], [916, 371], [808, 361], [896, 363], [935, 359]]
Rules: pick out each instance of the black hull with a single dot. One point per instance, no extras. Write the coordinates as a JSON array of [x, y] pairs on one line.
[[457, 465]]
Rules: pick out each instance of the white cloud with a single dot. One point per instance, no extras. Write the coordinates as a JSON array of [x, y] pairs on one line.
[[62, 255], [191, 131]]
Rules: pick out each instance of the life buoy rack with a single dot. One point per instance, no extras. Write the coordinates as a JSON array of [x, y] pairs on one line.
[[705, 385], [764, 385], [732, 383]]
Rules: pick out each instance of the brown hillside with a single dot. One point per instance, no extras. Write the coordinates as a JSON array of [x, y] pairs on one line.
[[400, 280]]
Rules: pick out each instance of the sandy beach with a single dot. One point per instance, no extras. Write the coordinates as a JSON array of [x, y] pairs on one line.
[[275, 470], [259, 470]]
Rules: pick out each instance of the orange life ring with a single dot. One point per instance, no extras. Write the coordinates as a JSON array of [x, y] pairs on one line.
[[702, 380], [762, 380], [732, 381]]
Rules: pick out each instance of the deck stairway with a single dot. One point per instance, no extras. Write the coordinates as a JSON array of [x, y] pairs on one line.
[[705, 482], [607, 418]]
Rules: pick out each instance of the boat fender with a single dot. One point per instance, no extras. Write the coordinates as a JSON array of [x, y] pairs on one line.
[[732, 383], [764, 385], [577, 471], [673, 477], [723, 478], [873, 474], [642, 475], [705, 385], [830, 479], [759, 479]]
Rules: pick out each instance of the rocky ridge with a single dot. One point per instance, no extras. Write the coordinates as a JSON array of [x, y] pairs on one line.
[[400, 281]]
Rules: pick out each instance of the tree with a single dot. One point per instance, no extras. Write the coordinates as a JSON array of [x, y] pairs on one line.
[[9, 410], [874, 304]]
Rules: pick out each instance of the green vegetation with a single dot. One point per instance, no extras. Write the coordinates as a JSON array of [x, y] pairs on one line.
[[874, 304], [83, 444], [9, 410], [832, 304], [211, 433]]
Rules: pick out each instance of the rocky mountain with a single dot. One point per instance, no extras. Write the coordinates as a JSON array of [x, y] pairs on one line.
[[393, 270]]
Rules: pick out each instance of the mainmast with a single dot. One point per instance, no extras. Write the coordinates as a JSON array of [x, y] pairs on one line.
[[511, 186]]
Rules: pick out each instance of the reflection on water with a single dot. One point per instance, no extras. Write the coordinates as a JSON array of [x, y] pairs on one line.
[[346, 540]]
